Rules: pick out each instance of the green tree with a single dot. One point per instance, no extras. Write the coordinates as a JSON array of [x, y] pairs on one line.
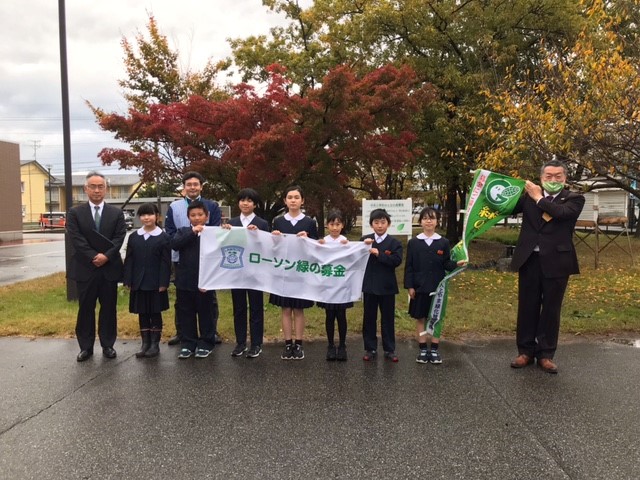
[[583, 107], [349, 127], [154, 77], [462, 48]]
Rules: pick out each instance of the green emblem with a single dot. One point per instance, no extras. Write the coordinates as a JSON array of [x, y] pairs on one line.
[[500, 191]]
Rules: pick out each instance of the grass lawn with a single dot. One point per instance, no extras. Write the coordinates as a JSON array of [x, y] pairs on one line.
[[482, 301]]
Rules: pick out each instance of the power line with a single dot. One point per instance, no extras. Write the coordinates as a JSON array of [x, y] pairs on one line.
[[42, 119]]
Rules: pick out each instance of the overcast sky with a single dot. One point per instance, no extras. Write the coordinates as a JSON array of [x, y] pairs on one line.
[[30, 93]]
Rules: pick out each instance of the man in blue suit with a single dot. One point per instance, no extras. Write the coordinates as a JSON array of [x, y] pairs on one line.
[[97, 231]]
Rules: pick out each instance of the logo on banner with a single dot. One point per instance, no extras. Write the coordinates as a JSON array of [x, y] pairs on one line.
[[500, 191], [232, 257]]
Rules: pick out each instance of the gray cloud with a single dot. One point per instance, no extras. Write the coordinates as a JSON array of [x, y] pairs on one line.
[[30, 97]]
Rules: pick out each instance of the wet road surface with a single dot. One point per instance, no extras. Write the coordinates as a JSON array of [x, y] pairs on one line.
[[39, 254], [228, 418]]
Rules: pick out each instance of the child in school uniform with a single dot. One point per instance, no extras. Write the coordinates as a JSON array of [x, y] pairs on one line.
[[294, 222], [428, 260], [335, 312], [248, 201], [147, 269], [194, 307], [380, 287]]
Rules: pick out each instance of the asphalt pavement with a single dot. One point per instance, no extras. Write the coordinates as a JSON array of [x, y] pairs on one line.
[[472, 417], [232, 418]]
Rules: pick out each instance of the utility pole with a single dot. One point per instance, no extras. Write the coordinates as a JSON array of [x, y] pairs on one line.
[[50, 205], [72, 290], [36, 146]]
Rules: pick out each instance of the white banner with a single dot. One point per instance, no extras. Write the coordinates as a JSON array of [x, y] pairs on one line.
[[286, 265]]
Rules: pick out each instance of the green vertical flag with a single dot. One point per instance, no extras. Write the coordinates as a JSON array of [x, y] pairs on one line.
[[492, 198]]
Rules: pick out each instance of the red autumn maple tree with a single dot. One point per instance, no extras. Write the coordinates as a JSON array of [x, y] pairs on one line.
[[344, 136]]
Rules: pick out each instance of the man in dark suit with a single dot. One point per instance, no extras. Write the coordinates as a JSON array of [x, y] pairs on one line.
[[97, 231], [544, 258]]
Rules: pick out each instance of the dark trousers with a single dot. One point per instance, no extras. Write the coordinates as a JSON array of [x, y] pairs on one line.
[[89, 293], [216, 310], [194, 310], [256, 315], [387, 306], [539, 306]]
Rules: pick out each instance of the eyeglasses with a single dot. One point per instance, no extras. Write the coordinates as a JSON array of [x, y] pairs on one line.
[[95, 187]]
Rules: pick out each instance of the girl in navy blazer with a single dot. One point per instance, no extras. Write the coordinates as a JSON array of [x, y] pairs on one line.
[[147, 268], [428, 260], [294, 222]]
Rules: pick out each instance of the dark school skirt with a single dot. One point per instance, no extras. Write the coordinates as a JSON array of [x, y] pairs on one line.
[[148, 301], [288, 302], [419, 306], [334, 306]]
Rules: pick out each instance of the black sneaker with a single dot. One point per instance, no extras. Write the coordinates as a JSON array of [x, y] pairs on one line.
[[254, 351], [202, 352], [287, 353], [435, 357], [185, 353], [239, 350], [423, 356], [341, 353], [298, 352], [331, 353]]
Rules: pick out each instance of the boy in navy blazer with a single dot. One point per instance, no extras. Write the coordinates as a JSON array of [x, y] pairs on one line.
[[380, 287], [194, 307], [248, 201]]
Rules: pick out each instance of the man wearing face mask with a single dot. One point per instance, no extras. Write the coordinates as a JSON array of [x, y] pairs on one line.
[[544, 258]]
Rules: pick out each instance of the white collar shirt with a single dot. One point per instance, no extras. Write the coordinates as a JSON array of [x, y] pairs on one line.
[[429, 240], [380, 239], [153, 233], [294, 220], [246, 221]]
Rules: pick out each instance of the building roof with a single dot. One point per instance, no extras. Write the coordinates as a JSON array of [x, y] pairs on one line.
[[127, 179], [36, 164]]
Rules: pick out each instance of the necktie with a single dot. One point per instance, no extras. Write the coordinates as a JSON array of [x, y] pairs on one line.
[[550, 198], [96, 217]]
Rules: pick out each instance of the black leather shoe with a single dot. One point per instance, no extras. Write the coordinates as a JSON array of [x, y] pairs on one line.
[[175, 340], [217, 339], [84, 355], [109, 352]]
